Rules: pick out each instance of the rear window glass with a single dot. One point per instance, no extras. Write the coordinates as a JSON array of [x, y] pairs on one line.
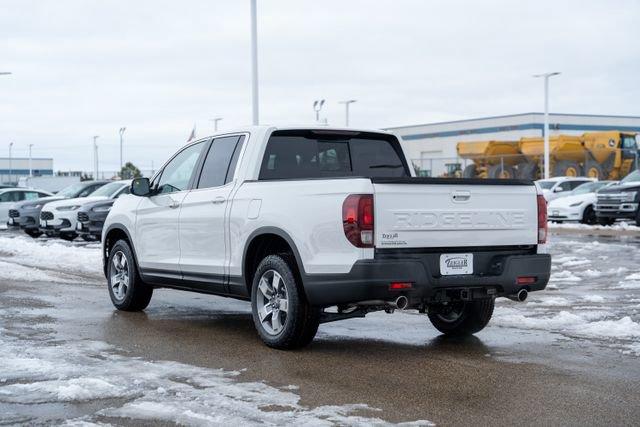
[[305, 154]]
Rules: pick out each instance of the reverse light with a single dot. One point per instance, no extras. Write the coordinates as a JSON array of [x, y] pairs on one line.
[[358, 219], [542, 220]]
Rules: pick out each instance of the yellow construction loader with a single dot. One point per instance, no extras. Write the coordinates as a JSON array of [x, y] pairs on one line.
[[601, 155]]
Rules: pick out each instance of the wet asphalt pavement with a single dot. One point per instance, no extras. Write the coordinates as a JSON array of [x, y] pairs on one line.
[[397, 363]]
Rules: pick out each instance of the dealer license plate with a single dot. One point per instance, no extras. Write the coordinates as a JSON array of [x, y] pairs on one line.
[[452, 264]]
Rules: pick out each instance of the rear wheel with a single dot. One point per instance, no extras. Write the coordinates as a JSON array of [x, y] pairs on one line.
[[593, 169], [281, 314], [527, 170], [502, 172], [469, 171], [567, 168], [127, 290], [589, 216], [462, 317]]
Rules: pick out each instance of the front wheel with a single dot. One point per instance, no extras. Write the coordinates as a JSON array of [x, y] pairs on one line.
[[127, 290], [462, 317], [281, 314], [34, 233]]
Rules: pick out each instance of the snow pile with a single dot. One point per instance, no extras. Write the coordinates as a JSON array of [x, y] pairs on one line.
[[619, 226], [632, 281], [49, 371], [591, 324], [48, 254]]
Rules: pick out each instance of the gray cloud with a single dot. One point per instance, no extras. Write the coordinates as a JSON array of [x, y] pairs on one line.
[[88, 67]]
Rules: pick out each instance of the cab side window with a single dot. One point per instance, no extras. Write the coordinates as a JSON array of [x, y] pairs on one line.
[[566, 186], [177, 173], [219, 166], [30, 195], [90, 189]]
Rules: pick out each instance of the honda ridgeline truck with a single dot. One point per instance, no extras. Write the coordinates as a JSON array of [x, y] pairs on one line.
[[319, 225]]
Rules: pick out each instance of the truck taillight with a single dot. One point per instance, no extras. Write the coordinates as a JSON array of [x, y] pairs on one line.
[[357, 219], [542, 219]]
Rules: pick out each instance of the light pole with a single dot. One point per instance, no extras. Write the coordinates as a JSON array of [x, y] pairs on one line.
[[95, 157], [254, 63], [546, 119], [317, 106], [346, 110], [30, 168], [10, 165], [215, 123], [122, 129]]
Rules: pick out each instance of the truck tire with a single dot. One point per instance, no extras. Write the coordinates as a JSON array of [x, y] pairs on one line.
[[281, 314], [127, 290], [469, 171], [463, 317], [527, 170], [567, 168], [502, 172], [593, 169]]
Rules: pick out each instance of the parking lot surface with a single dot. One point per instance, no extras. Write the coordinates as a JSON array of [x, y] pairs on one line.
[[569, 355]]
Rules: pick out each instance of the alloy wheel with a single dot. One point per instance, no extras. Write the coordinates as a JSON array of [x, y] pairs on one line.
[[272, 302], [119, 275]]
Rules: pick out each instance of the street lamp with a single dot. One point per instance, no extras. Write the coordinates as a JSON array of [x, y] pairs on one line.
[[122, 129], [317, 106], [95, 157], [546, 118], [346, 110], [10, 165], [215, 123], [30, 168], [254, 63]]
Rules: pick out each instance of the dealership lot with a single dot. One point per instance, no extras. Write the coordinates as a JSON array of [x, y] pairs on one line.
[[568, 353]]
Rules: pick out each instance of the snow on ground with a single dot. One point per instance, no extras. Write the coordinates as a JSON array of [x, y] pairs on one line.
[[49, 257], [38, 368]]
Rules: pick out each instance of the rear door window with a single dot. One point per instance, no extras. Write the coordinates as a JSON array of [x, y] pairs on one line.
[[306, 154], [219, 166]]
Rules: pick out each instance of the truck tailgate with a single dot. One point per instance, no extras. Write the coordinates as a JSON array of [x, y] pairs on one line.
[[445, 213]]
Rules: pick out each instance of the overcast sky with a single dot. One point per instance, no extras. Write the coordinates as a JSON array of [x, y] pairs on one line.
[[83, 68]]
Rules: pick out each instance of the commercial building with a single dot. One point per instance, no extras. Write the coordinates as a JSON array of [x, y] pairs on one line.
[[432, 146], [13, 169]]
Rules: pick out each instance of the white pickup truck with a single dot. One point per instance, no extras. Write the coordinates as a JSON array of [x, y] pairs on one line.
[[317, 225]]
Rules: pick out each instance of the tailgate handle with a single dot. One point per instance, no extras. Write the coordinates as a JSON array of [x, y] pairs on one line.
[[461, 196]]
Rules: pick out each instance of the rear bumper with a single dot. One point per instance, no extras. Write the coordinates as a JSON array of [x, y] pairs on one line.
[[370, 279]]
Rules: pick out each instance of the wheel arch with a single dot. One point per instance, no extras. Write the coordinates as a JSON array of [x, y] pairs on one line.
[[115, 232], [264, 241]]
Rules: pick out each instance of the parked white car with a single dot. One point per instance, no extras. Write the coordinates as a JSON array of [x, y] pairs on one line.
[[578, 205], [59, 218], [9, 196], [560, 186]]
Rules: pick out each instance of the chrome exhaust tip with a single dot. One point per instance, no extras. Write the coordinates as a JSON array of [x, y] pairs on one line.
[[401, 302], [521, 296]]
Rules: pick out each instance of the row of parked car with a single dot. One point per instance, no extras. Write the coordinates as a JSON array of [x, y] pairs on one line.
[[77, 210], [592, 202]]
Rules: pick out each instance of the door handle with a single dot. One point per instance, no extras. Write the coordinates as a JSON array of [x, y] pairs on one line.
[[174, 204], [218, 200]]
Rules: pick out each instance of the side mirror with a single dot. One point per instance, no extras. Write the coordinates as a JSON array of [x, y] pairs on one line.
[[141, 187], [558, 190]]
